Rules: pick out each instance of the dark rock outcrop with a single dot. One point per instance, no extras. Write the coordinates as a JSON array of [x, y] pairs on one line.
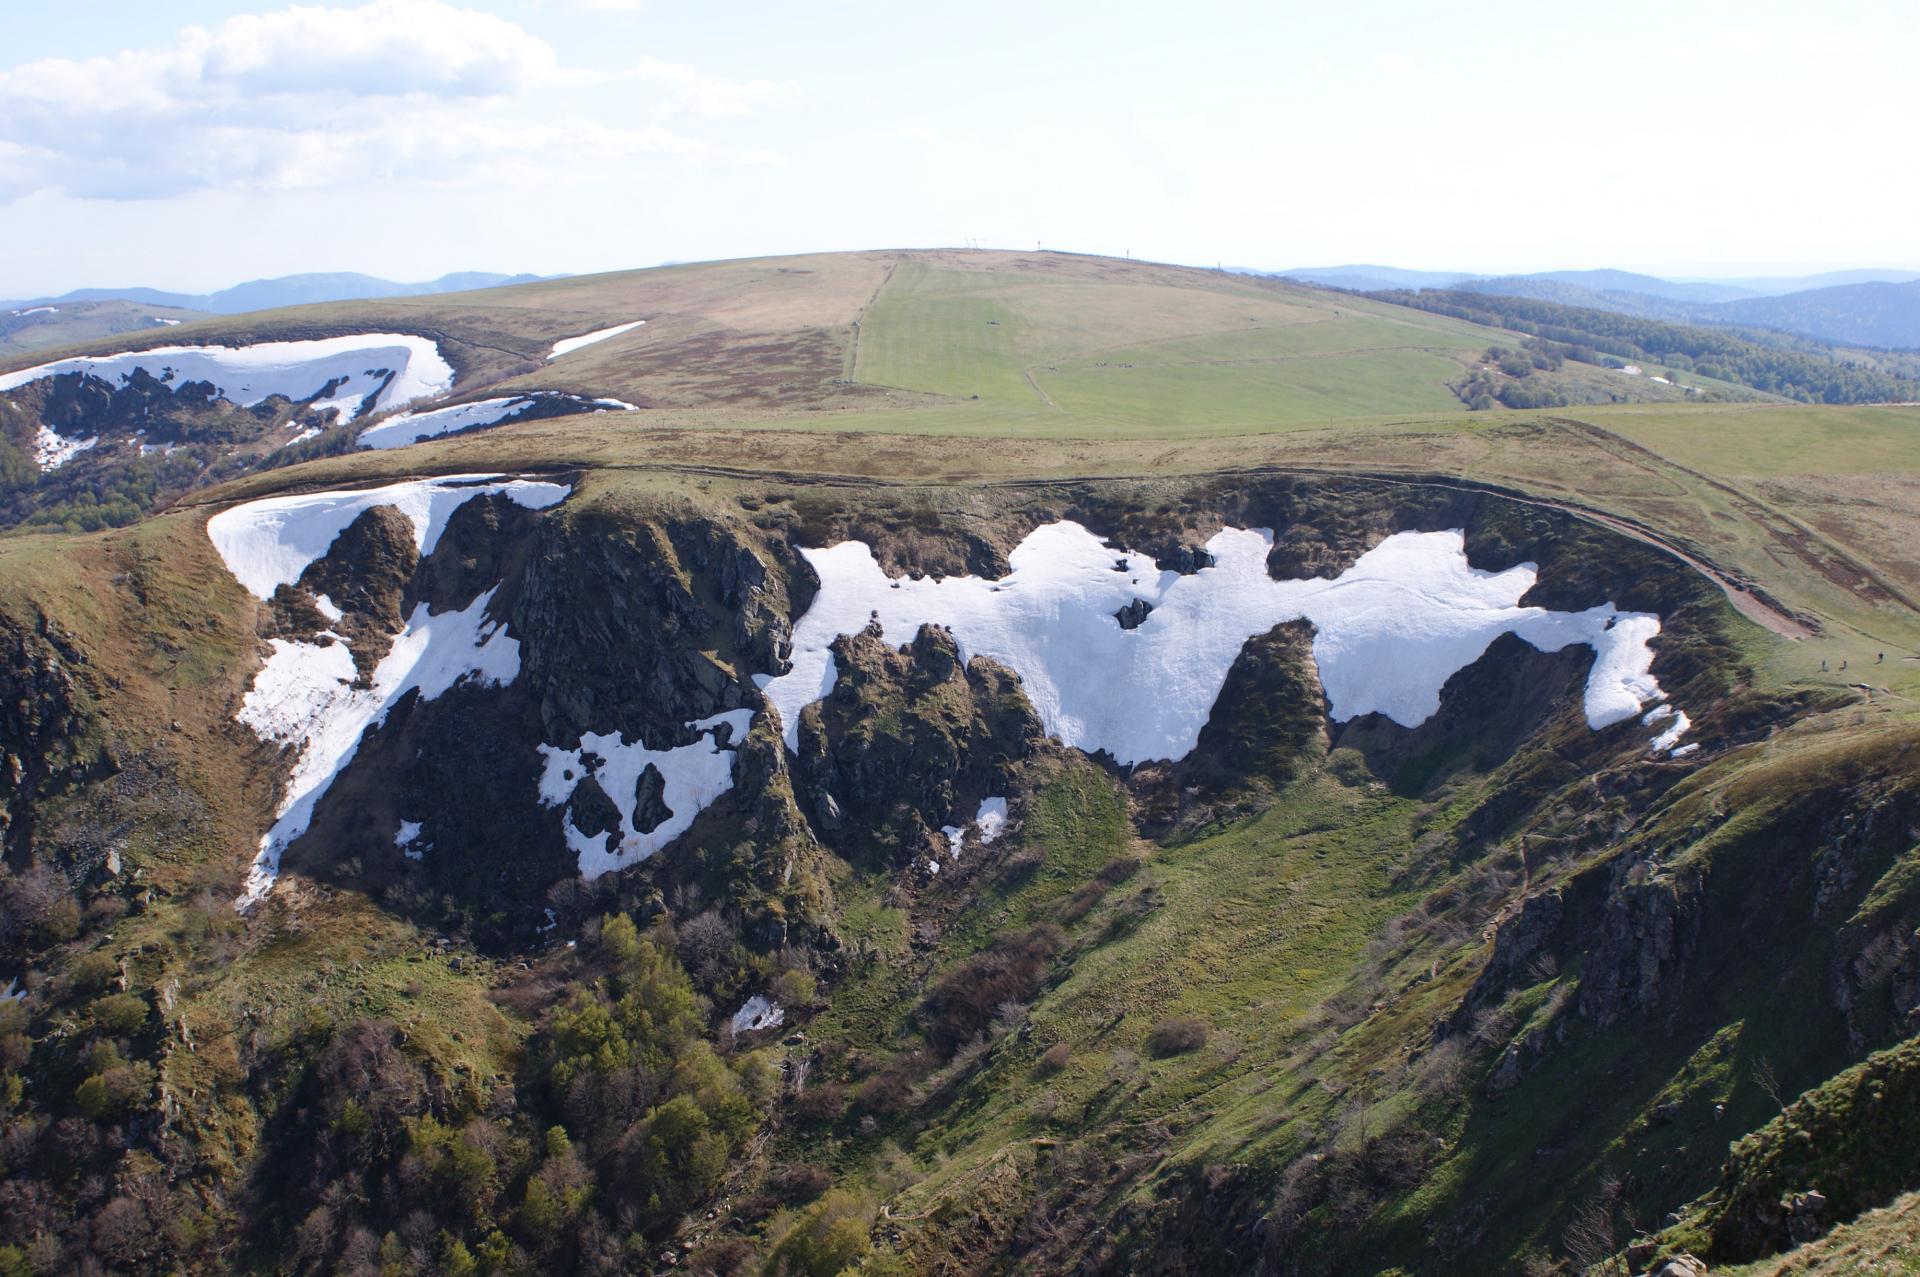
[[622, 631], [42, 725], [906, 741]]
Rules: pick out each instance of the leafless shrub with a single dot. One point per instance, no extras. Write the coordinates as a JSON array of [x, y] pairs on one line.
[[1765, 1078], [1081, 902], [1590, 1238], [963, 1003], [706, 943], [799, 1182], [1008, 1019], [1442, 1071], [1177, 1036], [893, 1170], [945, 1079], [1493, 1026], [891, 1089], [1055, 1058], [724, 1257], [823, 1103]]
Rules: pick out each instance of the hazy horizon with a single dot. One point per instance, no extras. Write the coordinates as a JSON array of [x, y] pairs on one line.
[[189, 147], [1761, 272]]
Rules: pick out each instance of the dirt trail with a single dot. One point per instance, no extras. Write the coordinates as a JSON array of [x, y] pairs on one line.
[[1815, 551], [1747, 602]]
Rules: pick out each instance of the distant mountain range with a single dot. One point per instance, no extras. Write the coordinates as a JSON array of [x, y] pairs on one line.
[[1849, 308], [289, 290]]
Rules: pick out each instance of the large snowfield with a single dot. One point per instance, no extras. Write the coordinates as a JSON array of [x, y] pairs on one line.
[[400, 367], [1389, 632], [269, 543]]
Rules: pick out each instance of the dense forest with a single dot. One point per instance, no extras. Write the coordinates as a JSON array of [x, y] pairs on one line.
[[1791, 367]]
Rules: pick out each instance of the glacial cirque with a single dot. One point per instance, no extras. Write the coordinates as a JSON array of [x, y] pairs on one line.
[[1390, 630]]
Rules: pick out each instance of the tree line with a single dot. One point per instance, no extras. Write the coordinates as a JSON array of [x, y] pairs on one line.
[[1793, 368]]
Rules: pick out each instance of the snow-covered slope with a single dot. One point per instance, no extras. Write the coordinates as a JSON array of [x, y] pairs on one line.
[[396, 367], [304, 696], [1389, 632], [411, 427], [269, 543]]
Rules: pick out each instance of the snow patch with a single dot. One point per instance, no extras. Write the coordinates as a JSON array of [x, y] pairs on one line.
[[328, 608], [411, 427], [1389, 631], [269, 543], [397, 368], [757, 1013], [54, 450], [695, 775], [304, 697], [1664, 743], [991, 820], [38, 310], [166, 323], [567, 345], [407, 839]]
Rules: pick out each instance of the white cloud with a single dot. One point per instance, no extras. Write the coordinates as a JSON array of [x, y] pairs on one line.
[[314, 97], [694, 92]]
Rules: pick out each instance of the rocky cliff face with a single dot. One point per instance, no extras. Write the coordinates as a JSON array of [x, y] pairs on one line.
[[43, 726], [908, 742]]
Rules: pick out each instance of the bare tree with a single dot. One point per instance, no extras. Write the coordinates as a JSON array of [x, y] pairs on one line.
[[1589, 1237], [1765, 1078]]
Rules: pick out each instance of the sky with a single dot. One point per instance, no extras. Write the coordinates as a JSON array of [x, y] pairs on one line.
[[194, 144]]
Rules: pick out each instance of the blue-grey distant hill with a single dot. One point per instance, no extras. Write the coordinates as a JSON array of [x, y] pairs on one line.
[[1870, 314], [1848, 308], [1617, 281], [1774, 285], [289, 290], [1876, 313], [1369, 279]]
